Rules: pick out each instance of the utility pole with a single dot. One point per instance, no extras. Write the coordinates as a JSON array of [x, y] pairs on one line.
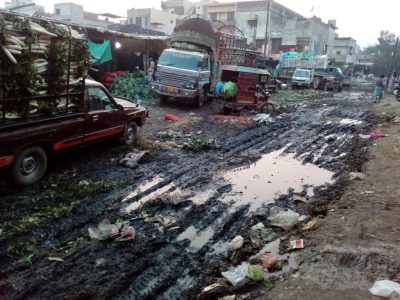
[[266, 42], [392, 64]]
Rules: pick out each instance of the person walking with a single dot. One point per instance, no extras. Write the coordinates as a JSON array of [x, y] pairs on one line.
[[379, 87]]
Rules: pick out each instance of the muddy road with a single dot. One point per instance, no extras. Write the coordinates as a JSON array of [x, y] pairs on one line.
[[184, 205]]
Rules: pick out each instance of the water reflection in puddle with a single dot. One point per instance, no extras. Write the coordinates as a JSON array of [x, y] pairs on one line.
[[197, 238], [271, 176]]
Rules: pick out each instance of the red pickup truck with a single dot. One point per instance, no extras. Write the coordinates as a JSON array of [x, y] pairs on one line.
[[25, 145]]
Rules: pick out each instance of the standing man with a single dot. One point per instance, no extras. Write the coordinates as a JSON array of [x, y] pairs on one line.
[[379, 87]]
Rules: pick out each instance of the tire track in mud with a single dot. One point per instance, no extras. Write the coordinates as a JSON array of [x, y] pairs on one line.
[[159, 265]]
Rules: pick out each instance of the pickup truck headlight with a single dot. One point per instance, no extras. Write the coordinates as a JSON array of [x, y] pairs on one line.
[[189, 86]]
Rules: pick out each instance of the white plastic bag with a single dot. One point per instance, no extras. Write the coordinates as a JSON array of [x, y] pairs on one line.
[[236, 243], [236, 275], [385, 288]]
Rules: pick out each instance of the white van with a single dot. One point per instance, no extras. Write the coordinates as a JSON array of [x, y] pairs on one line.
[[302, 78]]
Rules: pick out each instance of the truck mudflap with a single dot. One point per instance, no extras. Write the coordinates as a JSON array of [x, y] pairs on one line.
[[6, 161], [171, 91]]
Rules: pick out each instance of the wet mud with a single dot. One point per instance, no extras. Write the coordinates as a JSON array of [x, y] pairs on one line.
[[299, 161]]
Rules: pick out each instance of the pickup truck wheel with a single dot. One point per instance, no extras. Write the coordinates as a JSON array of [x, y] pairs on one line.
[[201, 99], [29, 166], [130, 134], [325, 86]]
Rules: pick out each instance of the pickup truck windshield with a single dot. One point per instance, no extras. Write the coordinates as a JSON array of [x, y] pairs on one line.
[[179, 60], [301, 73]]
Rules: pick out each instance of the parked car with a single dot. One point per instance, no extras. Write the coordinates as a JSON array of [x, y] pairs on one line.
[[302, 78]]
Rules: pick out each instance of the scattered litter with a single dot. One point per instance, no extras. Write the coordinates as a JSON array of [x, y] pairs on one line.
[[302, 218], [263, 119], [369, 193], [211, 287], [83, 183], [172, 117], [269, 261], [192, 114], [357, 175], [396, 120], [100, 262], [58, 259], [105, 230], [236, 243], [364, 136], [296, 244], [258, 226], [385, 288], [255, 273], [236, 274], [199, 132], [230, 297], [376, 134], [283, 219], [312, 225], [261, 235], [132, 159], [196, 144]]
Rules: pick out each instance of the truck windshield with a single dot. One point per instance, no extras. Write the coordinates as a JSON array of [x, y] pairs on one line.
[[179, 60], [301, 73]]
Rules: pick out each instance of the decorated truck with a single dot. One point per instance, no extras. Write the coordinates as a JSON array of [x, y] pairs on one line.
[[46, 105], [189, 67]]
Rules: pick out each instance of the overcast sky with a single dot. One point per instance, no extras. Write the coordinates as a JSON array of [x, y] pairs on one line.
[[360, 19]]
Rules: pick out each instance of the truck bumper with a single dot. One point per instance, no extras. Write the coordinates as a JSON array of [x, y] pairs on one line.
[[296, 83], [171, 91]]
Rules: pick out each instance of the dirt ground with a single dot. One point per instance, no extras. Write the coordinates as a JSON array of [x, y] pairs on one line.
[[187, 201]]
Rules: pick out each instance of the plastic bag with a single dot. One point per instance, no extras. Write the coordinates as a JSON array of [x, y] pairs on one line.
[[283, 219], [385, 288], [236, 275], [236, 243]]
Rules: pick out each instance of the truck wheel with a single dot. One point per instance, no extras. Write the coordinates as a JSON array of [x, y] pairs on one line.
[[29, 166], [201, 99], [130, 133]]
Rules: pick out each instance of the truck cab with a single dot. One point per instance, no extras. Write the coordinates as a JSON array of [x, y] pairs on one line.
[[302, 78], [183, 74]]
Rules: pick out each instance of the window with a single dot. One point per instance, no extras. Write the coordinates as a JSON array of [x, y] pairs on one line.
[[204, 64], [130, 20], [338, 52], [58, 12], [230, 16], [98, 99], [139, 21], [146, 21], [276, 44]]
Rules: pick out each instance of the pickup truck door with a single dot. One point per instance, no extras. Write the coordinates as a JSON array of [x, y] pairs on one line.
[[102, 115]]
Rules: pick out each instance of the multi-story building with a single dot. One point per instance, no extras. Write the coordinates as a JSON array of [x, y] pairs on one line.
[[267, 22], [150, 18], [224, 13], [27, 7], [74, 13], [177, 7], [345, 50]]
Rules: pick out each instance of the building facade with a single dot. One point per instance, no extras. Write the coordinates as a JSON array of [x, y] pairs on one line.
[[345, 50], [75, 13], [27, 7], [150, 18]]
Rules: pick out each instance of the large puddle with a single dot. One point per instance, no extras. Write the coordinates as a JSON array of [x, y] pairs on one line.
[[197, 238], [263, 181]]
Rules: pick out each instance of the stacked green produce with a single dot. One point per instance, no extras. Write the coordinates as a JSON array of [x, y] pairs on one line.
[[42, 64]]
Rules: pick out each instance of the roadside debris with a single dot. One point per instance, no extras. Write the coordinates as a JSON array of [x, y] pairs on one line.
[[364, 136], [269, 261], [169, 199], [376, 134], [263, 119], [236, 243], [57, 259], [385, 288], [255, 273], [236, 274], [120, 232], [171, 117], [260, 235], [192, 114], [197, 144], [132, 159], [311, 225], [296, 244], [283, 219], [357, 175]]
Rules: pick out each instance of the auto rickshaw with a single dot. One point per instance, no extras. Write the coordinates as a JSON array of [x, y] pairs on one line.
[[252, 94]]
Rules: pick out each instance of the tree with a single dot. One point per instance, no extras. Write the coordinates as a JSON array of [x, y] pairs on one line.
[[383, 53]]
